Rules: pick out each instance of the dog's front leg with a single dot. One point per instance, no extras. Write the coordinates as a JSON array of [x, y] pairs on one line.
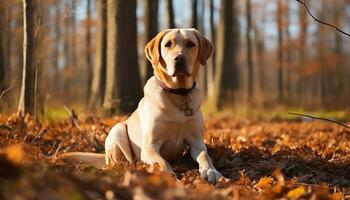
[[150, 155], [200, 154]]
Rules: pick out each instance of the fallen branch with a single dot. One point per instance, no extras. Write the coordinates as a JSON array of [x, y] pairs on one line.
[[6, 90], [320, 118], [319, 21]]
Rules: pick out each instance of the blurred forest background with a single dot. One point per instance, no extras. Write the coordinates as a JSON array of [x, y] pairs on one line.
[[88, 54]]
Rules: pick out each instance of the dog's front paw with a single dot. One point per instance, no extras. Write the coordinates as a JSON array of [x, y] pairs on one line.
[[211, 175]]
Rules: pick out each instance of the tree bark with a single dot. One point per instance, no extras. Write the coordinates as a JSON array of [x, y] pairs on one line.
[[249, 50], [111, 55], [259, 36], [27, 96], [194, 14], [171, 17], [2, 47], [73, 23], [122, 57], [227, 41], [302, 52], [151, 30], [211, 68], [280, 51], [56, 50], [88, 49], [98, 82], [288, 56]]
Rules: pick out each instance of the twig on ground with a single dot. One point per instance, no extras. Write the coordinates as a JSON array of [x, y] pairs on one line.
[[73, 116], [53, 146], [54, 156], [320, 118], [303, 2], [6, 90], [38, 135]]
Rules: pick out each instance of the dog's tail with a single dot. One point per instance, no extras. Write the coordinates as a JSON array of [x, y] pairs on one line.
[[94, 159]]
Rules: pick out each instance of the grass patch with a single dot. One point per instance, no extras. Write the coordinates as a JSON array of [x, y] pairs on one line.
[[55, 114]]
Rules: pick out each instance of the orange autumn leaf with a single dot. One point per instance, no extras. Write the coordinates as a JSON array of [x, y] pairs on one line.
[[264, 182], [296, 193], [337, 196], [15, 153], [155, 180]]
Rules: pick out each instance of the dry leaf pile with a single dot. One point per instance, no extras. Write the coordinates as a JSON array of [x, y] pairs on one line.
[[260, 160]]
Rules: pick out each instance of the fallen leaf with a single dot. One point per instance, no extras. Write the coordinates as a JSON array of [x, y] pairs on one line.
[[15, 153], [264, 182], [296, 193]]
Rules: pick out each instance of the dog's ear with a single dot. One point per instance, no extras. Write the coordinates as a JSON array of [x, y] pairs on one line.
[[205, 48], [152, 48]]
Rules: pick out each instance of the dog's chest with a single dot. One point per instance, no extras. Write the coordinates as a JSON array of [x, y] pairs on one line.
[[174, 143]]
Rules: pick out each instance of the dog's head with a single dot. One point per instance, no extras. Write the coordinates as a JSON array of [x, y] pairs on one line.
[[176, 55]]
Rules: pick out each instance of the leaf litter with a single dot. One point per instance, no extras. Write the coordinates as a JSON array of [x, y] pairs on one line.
[[259, 160]]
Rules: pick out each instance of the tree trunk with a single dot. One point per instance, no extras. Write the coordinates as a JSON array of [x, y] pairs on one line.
[[302, 52], [259, 36], [171, 17], [339, 79], [73, 23], [280, 51], [56, 50], [211, 68], [88, 49], [151, 29], [322, 50], [226, 71], [288, 56], [122, 57], [249, 50], [194, 14], [27, 96], [98, 82], [2, 47], [66, 44], [111, 55]]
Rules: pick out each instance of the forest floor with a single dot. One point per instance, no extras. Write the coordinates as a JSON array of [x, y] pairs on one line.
[[260, 160]]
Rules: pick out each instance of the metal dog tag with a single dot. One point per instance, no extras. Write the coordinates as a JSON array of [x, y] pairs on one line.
[[186, 108]]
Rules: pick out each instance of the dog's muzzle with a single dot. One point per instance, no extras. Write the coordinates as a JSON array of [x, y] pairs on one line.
[[180, 66]]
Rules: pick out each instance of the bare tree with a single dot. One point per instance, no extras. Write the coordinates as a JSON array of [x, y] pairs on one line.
[[27, 96], [151, 29], [98, 82]]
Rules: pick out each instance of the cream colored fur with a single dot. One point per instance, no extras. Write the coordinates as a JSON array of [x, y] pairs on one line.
[[158, 130]]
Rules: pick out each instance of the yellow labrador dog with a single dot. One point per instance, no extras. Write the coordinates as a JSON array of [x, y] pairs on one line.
[[168, 117]]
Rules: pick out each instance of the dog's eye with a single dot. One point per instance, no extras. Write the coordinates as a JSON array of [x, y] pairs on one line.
[[168, 44], [190, 44]]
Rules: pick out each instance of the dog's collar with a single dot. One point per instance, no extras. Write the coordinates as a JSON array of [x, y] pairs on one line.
[[180, 91]]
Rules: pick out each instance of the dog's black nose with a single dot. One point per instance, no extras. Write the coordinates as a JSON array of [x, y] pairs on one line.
[[179, 58], [179, 63]]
